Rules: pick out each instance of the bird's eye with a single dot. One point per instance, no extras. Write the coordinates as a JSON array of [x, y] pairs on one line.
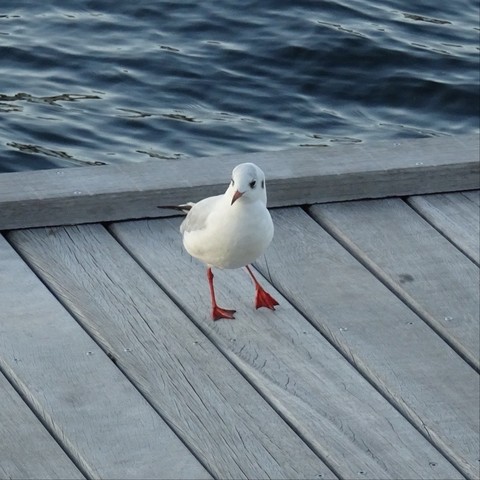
[[233, 183], [253, 183], [263, 183]]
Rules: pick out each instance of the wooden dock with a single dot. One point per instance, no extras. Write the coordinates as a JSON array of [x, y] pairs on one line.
[[110, 366]]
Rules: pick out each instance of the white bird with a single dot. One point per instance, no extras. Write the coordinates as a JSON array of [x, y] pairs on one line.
[[231, 231]]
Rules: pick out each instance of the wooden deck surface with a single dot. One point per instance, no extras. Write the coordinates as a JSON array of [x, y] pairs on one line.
[[110, 366], [300, 176]]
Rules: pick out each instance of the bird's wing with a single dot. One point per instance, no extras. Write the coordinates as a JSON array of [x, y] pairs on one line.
[[185, 208], [196, 218]]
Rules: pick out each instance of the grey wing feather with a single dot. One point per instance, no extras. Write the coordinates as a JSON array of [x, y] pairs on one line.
[[196, 218]]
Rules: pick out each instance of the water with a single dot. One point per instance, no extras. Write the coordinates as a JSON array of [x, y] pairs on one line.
[[94, 81]]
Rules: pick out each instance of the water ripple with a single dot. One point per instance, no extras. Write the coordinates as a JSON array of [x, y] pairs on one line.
[[86, 83]]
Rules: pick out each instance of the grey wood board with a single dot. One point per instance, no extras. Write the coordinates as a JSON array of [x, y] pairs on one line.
[[456, 215], [295, 177], [96, 414], [27, 451], [411, 365], [208, 403], [291, 364], [415, 261]]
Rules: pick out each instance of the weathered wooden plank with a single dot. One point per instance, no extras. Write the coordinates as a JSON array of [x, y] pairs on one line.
[[341, 416], [204, 398], [411, 365], [456, 215], [96, 414], [295, 177], [26, 448], [415, 261]]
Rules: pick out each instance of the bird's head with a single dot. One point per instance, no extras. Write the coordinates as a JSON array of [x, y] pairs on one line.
[[248, 183]]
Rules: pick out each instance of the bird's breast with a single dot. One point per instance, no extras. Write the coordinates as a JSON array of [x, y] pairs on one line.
[[232, 241]]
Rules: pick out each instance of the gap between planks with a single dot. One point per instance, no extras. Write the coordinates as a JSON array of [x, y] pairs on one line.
[[82, 420], [155, 256], [176, 344], [380, 371], [468, 355]]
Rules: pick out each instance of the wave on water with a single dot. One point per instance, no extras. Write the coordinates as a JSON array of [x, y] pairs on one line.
[[90, 82]]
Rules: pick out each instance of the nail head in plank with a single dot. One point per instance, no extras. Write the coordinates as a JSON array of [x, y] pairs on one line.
[[295, 177]]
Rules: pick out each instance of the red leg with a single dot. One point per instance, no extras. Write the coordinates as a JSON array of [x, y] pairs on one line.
[[217, 312], [262, 298]]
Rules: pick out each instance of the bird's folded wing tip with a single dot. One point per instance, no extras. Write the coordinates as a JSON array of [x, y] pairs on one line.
[[183, 208]]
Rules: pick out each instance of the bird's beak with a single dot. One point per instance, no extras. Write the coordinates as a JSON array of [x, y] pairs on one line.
[[236, 196]]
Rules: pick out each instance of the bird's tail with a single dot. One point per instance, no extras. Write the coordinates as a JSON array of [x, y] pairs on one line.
[[185, 208]]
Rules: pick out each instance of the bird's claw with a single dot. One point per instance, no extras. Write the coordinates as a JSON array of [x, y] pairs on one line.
[[264, 299], [218, 313]]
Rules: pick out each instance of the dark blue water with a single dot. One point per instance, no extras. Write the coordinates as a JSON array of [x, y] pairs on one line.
[[96, 81]]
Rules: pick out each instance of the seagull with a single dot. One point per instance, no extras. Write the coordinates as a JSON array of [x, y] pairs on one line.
[[231, 231]]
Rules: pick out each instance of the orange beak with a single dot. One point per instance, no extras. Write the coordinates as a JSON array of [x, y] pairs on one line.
[[236, 196]]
